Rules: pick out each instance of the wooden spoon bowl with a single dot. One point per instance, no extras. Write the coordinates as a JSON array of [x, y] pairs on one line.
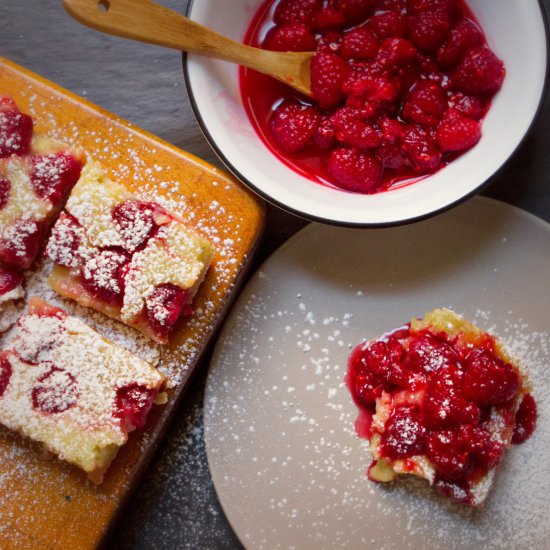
[[147, 21]]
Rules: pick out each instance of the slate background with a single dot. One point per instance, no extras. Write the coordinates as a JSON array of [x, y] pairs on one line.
[[175, 505]]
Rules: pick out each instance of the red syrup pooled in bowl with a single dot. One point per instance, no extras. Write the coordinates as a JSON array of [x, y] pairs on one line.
[[400, 88]]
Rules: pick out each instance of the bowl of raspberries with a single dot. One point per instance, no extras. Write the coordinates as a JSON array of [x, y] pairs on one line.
[[414, 104]]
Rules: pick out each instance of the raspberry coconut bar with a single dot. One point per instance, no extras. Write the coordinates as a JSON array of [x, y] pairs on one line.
[[440, 399], [36, 176], [64, 385], [129, 259]]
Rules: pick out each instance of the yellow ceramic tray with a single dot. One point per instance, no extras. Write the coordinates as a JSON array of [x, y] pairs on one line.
[[43, 501]]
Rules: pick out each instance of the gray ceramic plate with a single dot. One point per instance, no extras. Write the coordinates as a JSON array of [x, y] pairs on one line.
[[286, 462]]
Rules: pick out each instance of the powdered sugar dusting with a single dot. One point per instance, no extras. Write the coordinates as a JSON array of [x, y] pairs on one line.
[[280, 423]]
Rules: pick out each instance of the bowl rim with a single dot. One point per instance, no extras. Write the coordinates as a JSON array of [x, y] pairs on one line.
[[342, 223]]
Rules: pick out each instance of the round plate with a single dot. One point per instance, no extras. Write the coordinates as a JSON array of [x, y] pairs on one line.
[[286, 462]]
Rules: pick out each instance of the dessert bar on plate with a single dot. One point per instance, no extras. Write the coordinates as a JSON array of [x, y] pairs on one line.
[[130, 259], [66, 386], [36, 176], [440, 399]]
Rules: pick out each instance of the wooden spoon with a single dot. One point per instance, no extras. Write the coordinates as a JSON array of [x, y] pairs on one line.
[[146, 21]]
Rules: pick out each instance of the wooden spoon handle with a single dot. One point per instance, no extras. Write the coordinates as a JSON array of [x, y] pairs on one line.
[[147, 21]]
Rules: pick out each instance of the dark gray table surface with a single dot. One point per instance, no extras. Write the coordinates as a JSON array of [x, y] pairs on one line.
[[175, 506]]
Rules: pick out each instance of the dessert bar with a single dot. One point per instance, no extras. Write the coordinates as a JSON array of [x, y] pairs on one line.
[[36, 176], [130, 259], [442, 400], [66, 386]]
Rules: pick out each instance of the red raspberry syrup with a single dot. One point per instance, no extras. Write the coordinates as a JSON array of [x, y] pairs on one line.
[[439, 395], [400, 88]]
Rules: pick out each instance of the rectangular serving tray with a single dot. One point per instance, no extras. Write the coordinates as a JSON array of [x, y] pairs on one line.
[[45, 502]]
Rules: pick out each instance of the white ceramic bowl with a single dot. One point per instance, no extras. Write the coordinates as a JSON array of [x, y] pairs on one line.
[[516, 32]]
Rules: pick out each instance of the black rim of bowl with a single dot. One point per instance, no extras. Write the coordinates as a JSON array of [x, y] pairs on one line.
[[310, 217]]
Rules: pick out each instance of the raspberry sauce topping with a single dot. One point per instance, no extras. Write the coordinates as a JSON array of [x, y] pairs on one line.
[[56, 391], [33, 187], [102, 275], [5, 373], [132, 403], [54, 175], [64, 241], [426, 393], [165, 305], [399, 88], [5, 187], [21, 242], [526, 420], [15, 130], [9, 279], [135, 222]]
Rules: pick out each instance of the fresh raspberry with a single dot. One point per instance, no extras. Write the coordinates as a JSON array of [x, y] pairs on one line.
[[451, 7], [449, 452], [329, 42], [329, 18], [5, 188], [293, 125], [328, 73], [296, 11], [164, 306], [21, 243], [428, 353], [135, 222], [425, 103], [479, 72], [486, 452], [132, 403], [64, 242], [15, 131], [355, 11], [443, 405], [468, 105], [395, 52], [421, 150], [39, 350], [355, 171], [404, 435], [373, 90], [291, 37], [54, 175], [463, 37], [102, 275], [325, 135], [390, 5], [56, 391], [488, 380], [359, 43], [391, 129], [5, 373], [390, 151], [368, 367], [428, 29], [353, 131], [388, 24], [9, 279], [457, 133], [392, 156], [526, 419]]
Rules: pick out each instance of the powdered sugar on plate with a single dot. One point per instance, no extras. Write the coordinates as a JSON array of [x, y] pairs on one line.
[[287, 464]]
